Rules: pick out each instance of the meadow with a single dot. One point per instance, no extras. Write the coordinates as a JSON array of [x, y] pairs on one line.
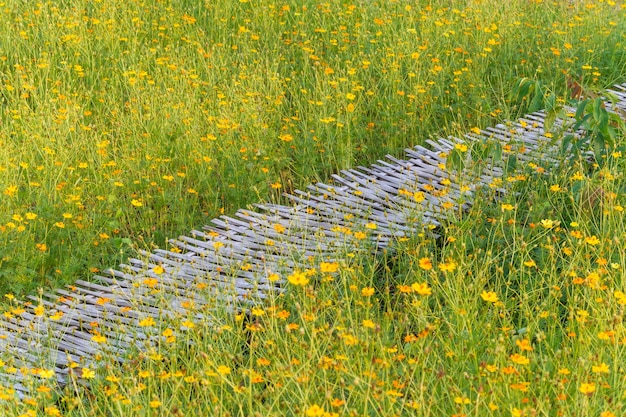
[[125, 124]]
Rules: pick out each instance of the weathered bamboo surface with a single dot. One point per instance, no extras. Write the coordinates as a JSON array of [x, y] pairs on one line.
[[236, 262]]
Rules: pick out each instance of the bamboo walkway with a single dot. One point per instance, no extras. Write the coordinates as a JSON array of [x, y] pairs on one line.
[[237, 261]]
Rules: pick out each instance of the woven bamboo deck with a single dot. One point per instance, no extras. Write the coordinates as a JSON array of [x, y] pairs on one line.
[[232, 263]]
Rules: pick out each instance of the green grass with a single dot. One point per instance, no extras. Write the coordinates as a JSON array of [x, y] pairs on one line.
[[192, 108], [516, 309], [124, 124]]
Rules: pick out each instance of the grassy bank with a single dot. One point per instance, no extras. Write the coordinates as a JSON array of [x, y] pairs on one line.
[[126, 124]]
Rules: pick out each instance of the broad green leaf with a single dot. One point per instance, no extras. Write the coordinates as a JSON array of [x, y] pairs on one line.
[[580, 110], [597, 109], [537, 102], [548, 123]]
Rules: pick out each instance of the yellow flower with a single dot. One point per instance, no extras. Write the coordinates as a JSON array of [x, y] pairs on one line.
[[329, 267], [461, 147], [273, 277], [507, 207], [530, 263], [39, 310], [151, 282], [298, 278], [99, 338], [548, 224], [587, 388], [337, 402], [367, 291], [592, 240], [158, 270], [516, 412], [421, 288], [577, 177], [263, 362], [155, 404], [88, 373], [448, 267], [315, 411], [52, 411], [603, 368], [524, 344], [360, 235], [491, 368], [349, 340], [426, 264], [136, 203], [147, 322], [369, 324], [223, 370], [56, 316], [10, 190], [489, 296], [46, 373], [519, 359]]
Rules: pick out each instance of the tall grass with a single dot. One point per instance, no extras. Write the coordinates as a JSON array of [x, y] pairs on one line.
[[515, 310], [126, 124]]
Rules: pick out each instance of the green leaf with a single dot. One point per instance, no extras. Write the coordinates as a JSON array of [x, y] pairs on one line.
[[497, 152], [455, 160], [580, 110], [551, 103], [603, 122], [597, 109], [566, 143], [612, 134], [522, 88], [511, 164], [548, 123], [537, 102], [598, 149]]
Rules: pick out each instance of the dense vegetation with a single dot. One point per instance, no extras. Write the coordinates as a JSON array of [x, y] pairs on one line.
[[126, 123]]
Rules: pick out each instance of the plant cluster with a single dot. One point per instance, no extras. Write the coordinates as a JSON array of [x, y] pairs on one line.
[[127, 124]]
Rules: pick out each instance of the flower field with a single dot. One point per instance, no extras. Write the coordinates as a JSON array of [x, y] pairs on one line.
[[124, 124]]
